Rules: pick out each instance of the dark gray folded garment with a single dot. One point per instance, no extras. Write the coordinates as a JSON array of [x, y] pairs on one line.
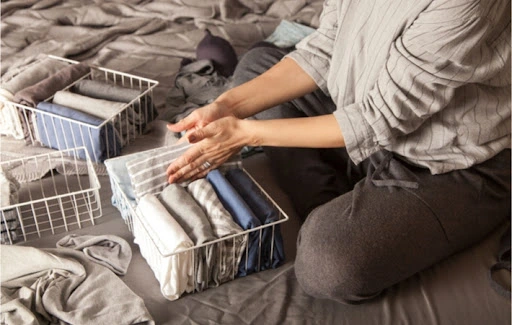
[[143, 109], [110, 251], [46, 88]]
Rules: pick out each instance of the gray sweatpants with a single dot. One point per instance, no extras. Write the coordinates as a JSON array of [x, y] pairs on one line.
[[369, 226]]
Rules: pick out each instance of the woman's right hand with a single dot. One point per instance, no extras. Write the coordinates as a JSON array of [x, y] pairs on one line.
[[199, 118]]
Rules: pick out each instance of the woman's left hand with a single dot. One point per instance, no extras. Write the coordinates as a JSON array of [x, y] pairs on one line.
[[214, 144]]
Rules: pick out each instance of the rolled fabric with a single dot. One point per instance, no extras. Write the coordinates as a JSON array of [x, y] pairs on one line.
[[148, 174], [101, 108], [57, 133], [44, 89], [230, 251], [242, 215], [143, 110], [272, 254], [196, 225], [158, 234]]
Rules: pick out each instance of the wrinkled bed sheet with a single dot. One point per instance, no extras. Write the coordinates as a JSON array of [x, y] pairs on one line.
[[149, 39]]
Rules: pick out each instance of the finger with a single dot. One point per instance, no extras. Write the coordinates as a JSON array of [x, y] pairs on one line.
[[188, 157], [201, 133], [184, 124], [196, 169]]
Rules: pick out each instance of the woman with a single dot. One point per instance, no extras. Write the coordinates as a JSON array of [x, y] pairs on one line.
[[389, 128]]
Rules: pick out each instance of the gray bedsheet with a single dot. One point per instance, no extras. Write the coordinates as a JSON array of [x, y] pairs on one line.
[[150, 38]]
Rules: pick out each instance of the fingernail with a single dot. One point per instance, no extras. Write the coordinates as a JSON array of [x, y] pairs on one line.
[[191, 138]]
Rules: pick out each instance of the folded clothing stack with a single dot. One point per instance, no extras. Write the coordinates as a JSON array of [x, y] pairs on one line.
[[72, 110], [221, 206]]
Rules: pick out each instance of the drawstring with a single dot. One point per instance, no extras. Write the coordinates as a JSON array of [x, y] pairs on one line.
[[378, 180]]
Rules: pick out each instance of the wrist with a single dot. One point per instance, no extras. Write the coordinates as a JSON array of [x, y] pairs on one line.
[[250, 130]]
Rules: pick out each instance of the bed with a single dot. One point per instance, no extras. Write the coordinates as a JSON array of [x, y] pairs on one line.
[[150, 39]]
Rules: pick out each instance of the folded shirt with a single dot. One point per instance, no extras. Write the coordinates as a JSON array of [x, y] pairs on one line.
[[164, 243], [272, 251], [142, 109], [148, 174], [196, 225], [245, 218], [229, 251], [58, 133]]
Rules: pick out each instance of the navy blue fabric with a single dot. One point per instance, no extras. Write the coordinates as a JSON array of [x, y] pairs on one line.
[[61, 134], [265, 211], [242, 215]]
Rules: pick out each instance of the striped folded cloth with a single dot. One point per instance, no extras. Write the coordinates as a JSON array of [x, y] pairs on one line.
[[148, 174]]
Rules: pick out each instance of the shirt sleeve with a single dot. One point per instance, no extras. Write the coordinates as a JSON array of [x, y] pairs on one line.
[[314, 52], [446, 47]]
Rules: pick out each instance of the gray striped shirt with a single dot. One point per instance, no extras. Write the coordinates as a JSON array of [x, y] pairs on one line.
[[426, 79]]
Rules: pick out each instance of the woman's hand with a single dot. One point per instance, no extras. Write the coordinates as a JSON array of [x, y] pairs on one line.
[[199, 118], [215, 142]]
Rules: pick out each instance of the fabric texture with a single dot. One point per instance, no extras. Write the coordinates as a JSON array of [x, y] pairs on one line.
[[230, 251], [165, 246], [242, 215], [73, 129], [148, 174], [272, 247], [110, 251], [185, 210], [63, 286], [419, 80]]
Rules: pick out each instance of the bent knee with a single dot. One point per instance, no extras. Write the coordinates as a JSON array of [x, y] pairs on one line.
[[329, 265]]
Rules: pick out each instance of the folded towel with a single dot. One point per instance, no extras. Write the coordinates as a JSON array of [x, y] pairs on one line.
[[162, 242], [229, 252], [57, 133], [148, 175], [272, 253], [196, 225], [243, 215], [110, 251], [44, 89]]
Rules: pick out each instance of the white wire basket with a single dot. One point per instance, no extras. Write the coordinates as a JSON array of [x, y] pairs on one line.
[[67, 198], [63, 133], [157, 258]]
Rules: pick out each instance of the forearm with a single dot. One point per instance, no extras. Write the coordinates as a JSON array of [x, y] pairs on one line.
[[308, 132], [283, 82]]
